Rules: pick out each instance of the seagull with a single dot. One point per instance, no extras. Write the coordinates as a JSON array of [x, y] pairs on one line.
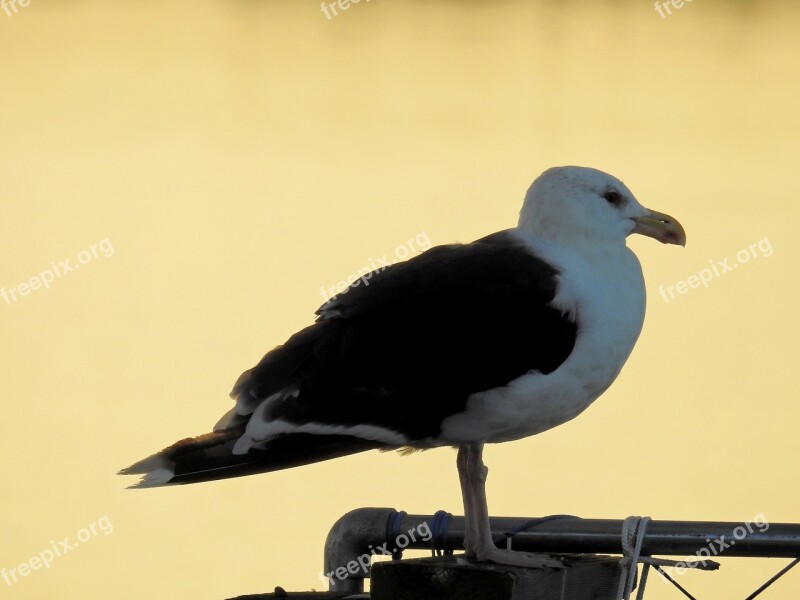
[[463, 345]]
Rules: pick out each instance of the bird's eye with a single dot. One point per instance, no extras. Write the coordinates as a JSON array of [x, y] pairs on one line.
[[613, 197]]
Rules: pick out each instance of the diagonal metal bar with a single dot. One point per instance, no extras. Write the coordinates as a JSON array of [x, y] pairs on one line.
[[773, 579], [673, 582]]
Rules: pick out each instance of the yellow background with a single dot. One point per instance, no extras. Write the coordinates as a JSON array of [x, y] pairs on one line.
[[240, 155]]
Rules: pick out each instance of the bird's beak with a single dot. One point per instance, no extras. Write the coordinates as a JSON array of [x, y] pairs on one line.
[[661, 227]]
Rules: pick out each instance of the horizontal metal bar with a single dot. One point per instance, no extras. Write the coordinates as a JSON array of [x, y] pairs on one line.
[[593, 536], [364, 531]]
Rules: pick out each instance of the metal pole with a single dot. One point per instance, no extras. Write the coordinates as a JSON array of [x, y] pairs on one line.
[[364, 532]]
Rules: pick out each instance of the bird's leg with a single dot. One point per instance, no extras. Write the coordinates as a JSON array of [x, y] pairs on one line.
[[469, 512], [475, 516], [478, 539]]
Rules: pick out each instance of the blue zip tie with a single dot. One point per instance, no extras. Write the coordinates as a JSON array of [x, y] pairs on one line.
[[393, 531], [439, 527]]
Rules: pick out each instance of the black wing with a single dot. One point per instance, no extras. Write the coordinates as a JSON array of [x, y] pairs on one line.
[[406, 351]]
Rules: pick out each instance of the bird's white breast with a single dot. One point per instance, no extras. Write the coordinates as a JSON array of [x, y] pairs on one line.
[[603, 289]]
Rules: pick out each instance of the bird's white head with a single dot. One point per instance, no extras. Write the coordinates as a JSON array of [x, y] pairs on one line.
[[586, 207]]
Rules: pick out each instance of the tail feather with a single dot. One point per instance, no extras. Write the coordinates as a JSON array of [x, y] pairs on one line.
[[209, 457]]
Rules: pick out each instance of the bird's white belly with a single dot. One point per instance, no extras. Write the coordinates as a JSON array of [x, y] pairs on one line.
[[610, 312]]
